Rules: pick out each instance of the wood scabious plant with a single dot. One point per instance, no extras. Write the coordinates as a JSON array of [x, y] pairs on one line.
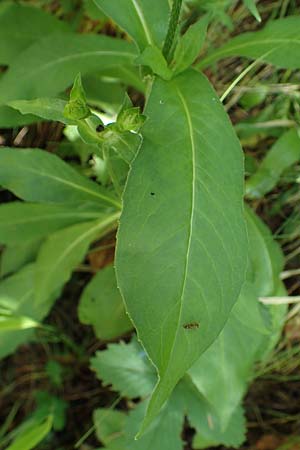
[[191, 261]]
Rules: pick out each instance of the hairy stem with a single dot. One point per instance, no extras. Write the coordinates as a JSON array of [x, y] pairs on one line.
[[173, 24]]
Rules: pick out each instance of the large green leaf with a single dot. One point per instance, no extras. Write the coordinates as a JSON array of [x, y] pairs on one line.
[[17, 296], [181, 254], [38, 176], [229, 363], [101, 306], [278, 43], [59, 56], [22, 25], [284, 153], [146, 22], [64, 250], [21, 222]]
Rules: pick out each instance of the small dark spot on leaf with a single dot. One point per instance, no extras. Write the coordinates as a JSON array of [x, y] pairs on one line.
[[152, 193], [100, 128], [191, 326]]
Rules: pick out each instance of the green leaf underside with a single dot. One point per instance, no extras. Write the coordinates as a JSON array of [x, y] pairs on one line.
[[178, 229], [38, 176], [23, 222], [284, 153], [278, 43], [144, 21], [21, 25], [63, 251], [215, 414], [101, 306]]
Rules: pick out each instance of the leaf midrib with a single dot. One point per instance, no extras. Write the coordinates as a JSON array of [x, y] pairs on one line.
[[143, 22], [40, 69], [49, 216], [75, 186], [193, 152]]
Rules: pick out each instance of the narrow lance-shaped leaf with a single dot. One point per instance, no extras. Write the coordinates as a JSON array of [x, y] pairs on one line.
[[32, 435], [189, 45], [22, 25], [278, 43], [63, 251], [251, 5], [284, 153], [38, 176], [59, 56], [181, 254], [23, 222], [146, 22]]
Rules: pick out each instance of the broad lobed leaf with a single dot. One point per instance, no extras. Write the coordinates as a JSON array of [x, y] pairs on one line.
[[181, 255], [126, 368]]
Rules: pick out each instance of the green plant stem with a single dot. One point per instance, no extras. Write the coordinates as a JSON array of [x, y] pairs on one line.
[[173, 24]]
